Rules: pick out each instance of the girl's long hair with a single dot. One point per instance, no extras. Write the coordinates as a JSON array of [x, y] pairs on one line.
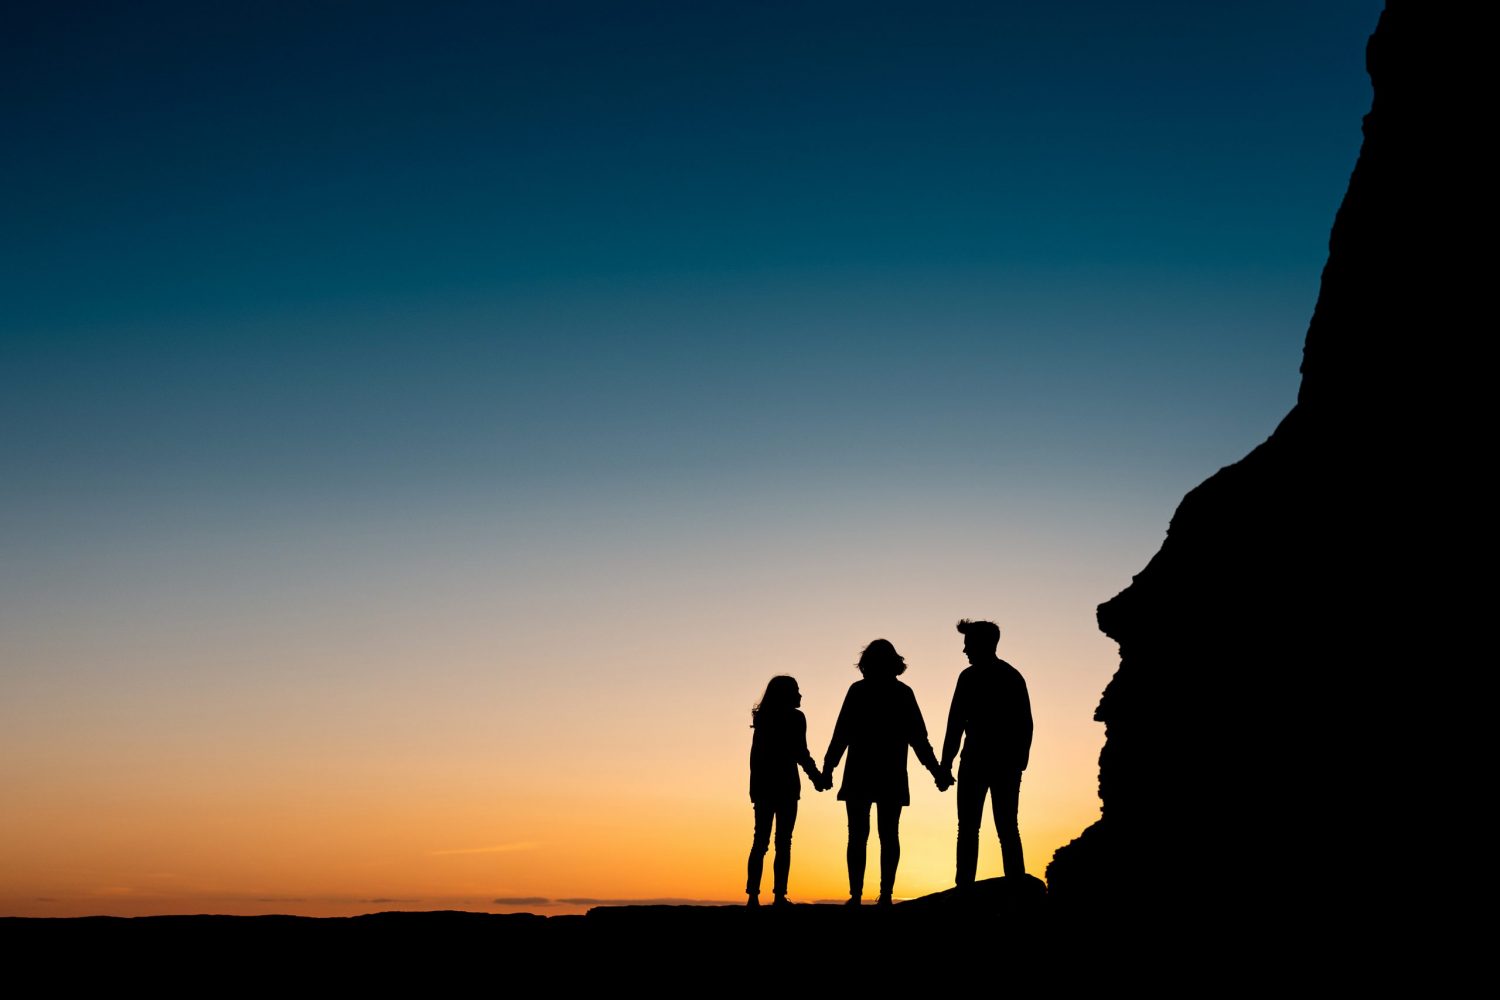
[[781, 694], [880, 659]]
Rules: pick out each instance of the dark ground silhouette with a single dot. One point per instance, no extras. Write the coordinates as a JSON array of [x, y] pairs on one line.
[[654, 948]]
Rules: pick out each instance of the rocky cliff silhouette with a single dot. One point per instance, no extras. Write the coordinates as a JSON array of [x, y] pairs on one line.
[[1276, 726]]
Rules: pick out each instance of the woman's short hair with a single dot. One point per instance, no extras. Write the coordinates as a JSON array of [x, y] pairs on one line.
[[880, 659]]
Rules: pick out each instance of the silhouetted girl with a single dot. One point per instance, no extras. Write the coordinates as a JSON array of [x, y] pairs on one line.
[[879, 720], [779, 747]]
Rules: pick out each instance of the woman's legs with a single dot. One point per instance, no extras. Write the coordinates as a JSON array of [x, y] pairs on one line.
[[859, 834], [888, 821]]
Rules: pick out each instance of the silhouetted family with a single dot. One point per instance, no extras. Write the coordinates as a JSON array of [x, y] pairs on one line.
[[990, 717]]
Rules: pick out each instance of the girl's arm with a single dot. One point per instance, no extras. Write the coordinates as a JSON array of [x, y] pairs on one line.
[[805, 759], [799, 747]]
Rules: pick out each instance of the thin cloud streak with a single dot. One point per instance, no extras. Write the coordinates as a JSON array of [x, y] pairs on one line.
[[663, 901], [496, 849]]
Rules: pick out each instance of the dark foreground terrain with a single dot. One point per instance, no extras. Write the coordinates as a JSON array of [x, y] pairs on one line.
[[657, 947], [999, 935]]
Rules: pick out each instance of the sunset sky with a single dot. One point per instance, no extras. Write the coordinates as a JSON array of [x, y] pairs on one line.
[[424, 429]]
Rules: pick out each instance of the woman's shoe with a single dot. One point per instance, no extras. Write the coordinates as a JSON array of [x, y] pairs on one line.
[[852, 901], [752, 901]]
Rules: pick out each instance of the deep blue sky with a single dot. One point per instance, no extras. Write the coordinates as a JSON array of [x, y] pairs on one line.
[[303, 244]]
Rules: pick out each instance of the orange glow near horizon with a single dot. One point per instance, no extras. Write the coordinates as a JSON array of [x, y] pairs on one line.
[[466, 757]]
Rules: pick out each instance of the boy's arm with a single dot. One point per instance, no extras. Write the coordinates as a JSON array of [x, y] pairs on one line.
[[957, 718]]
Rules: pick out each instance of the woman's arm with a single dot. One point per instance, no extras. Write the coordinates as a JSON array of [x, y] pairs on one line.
[[917, 735], [841, 733]]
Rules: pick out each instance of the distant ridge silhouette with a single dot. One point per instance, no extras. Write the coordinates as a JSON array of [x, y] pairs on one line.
[[1278, 698]]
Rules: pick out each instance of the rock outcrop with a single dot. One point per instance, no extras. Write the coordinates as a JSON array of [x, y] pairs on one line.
[[1277, 724]]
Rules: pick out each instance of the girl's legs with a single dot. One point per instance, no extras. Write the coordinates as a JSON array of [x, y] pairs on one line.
[[786, 821], [888, 820], [859, 834], [764, 811]]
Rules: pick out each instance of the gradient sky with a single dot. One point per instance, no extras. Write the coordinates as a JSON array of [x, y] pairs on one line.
[[425, 428]]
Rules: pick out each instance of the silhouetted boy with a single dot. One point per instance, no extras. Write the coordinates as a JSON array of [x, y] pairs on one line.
[[991, 714]]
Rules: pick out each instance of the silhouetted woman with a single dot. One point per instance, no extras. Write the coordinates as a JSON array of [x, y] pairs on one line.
[[778, 749], [879, 720]]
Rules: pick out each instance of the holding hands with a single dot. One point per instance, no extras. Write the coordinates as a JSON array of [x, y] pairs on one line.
[[943, 777]]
